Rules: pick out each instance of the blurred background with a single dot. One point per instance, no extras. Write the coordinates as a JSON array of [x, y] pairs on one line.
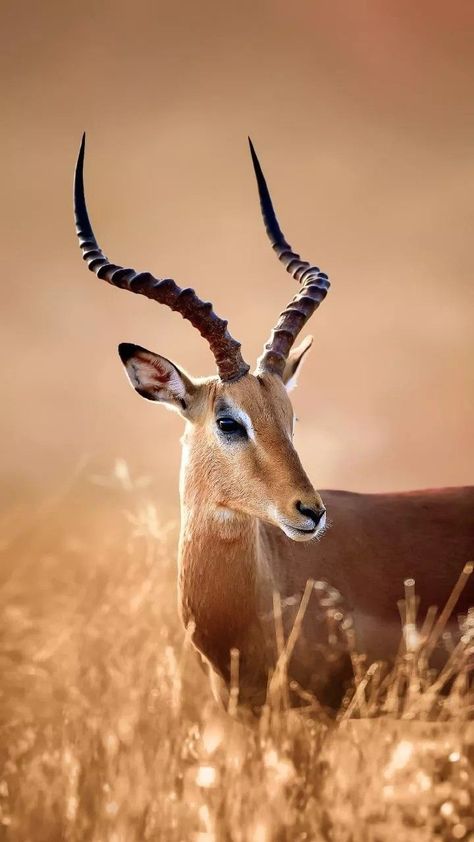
[[363, 118]]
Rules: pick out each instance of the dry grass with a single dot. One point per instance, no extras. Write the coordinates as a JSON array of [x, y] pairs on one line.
[[108, 731]]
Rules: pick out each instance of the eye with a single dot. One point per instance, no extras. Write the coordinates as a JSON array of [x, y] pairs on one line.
[[231, 427]]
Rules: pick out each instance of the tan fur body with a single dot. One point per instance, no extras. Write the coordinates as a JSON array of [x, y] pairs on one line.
[[374, 543], [231, 559]]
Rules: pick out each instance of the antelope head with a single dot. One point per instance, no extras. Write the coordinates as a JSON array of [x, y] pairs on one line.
[[239, 456]]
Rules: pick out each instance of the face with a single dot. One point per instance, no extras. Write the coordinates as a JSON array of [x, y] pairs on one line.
[[238, 443]]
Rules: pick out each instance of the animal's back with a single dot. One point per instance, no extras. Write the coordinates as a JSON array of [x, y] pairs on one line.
[[373, 543]]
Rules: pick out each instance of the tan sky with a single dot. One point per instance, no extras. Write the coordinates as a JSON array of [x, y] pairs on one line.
[[362, 114]]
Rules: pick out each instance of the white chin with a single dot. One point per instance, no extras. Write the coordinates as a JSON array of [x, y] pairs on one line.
[[302, 534], [298, 534]]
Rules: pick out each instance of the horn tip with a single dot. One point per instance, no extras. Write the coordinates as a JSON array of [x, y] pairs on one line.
[[80, 157], [253, 154]]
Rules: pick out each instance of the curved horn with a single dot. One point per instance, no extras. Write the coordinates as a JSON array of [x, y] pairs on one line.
[[226, 350], [314, 284]]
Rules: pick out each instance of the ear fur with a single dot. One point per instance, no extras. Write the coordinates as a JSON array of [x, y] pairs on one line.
[[293, 365], [156, 378]]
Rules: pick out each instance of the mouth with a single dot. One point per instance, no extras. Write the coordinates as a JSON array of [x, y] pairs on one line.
[[298, 533]]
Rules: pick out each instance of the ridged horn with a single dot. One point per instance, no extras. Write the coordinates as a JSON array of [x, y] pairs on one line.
[[314, 284], [226, 350]]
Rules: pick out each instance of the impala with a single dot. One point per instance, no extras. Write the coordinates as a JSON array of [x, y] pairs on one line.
[[253, 526]]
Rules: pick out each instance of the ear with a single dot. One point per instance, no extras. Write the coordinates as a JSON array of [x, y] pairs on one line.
[[293, 365], [156, 378]]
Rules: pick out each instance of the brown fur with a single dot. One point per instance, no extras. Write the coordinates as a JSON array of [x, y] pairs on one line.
[[234, 555]]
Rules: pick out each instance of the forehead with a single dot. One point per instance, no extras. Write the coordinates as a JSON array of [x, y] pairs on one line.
[[262, 398]]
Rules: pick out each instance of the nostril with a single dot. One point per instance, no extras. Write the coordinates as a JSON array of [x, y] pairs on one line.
[[313, 514]]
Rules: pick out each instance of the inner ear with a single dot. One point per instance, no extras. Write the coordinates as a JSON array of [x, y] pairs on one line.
[[156, 378], [293, 363]]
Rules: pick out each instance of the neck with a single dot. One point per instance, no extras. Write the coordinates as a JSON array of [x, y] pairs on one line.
[[221, 581]]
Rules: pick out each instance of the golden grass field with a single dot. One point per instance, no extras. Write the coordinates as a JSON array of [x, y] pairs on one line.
[[109, 732]]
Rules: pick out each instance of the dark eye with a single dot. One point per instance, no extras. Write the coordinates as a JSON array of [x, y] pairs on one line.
[[231, 426]]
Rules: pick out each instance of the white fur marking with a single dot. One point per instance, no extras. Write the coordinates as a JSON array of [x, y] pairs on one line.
[[245, 420], [224, 514]]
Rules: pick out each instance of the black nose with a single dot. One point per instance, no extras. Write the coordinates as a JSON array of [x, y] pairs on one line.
[[314, 514]]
